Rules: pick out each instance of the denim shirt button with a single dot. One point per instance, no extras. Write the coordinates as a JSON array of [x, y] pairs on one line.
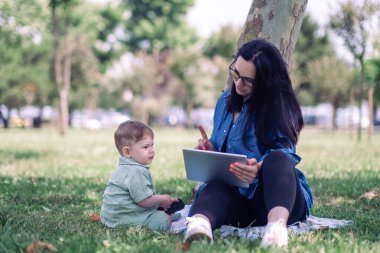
[[224, 131]]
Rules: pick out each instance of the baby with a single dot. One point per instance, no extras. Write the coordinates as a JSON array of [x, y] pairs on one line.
[[130, 197]]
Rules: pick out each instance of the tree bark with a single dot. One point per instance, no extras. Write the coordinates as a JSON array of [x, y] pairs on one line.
[[63, 112], [66, 73], [352, 105], [334, 124], [61, 65], [374, 113], [360, 100], [4, 119], [370, 112], [276, 21]]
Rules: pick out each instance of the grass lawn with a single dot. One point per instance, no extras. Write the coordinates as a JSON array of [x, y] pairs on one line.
[[51, 185]]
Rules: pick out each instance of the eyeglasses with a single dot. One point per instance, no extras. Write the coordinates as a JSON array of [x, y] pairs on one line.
[[249, 82]]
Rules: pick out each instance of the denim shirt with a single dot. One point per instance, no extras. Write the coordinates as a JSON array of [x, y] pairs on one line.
[[241, 139]]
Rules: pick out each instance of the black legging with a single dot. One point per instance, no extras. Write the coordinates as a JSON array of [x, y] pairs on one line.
[[278, 185]]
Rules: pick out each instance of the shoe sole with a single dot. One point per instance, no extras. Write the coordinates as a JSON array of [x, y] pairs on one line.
[[198, 237]]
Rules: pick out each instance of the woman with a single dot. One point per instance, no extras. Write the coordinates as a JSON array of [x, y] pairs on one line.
[[260, 117]]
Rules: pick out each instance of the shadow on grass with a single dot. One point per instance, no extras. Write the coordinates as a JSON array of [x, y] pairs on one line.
[[346, 198], [348, 184], [48, 191], [19, 155], [177, 188], [56, 209]]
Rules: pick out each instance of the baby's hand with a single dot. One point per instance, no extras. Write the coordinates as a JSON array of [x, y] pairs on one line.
[[166, 201]]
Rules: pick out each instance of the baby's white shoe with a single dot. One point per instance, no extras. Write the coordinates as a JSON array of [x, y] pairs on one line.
[[198, 228], [175, 216], [275, 235]]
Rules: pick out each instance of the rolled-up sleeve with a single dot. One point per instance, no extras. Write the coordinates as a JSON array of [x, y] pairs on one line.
[[279, 142]]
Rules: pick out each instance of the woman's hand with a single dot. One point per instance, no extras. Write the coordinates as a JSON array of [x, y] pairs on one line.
[[204, 143], [246, 172]]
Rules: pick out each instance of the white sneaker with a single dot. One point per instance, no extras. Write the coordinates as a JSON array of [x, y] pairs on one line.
[[198, 228], [275, 235]]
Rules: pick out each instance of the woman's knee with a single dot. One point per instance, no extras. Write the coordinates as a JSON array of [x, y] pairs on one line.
[[276, 160], [277, 156]]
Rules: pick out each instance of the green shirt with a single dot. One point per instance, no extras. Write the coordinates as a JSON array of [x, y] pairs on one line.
[[128, 185]]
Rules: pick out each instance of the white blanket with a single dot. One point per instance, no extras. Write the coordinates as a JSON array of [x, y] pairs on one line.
[[252, 233]]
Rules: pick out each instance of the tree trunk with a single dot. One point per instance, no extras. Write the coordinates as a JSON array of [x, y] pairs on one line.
[[276, 21], [352, 106], [374, 113], [61, 64], [189, 109], [361, 89], [8, 119], [164, 75], [55, 43], [37, 121], [63, 112], [370, 112], [4, 119], [334, 116], [65, 89], [359, 128]]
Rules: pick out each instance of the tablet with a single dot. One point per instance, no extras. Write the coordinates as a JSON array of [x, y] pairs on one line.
[[206, 166]]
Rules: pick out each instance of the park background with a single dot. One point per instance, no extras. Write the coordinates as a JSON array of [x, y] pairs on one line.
[[158, 62]]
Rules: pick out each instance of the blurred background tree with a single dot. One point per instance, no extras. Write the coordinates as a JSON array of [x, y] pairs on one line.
[[144, 59], [73, 65], [23, 56], [372, 78], [353, 23], [152, 30], [73, 62], [330, 78], [310, 47], [220, 48]]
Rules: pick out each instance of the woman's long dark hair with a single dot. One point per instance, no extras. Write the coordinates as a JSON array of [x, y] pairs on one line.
[[272, 101]]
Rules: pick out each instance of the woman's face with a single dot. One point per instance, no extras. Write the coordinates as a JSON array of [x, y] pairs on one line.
[[243, 73]]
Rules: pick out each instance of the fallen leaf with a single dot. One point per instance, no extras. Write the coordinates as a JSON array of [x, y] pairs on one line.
[[178, 246], [46, 209], [371, 194], [95, 217], [106, 243], [37, 246], [34, 181], [182, 247], [186, 246]]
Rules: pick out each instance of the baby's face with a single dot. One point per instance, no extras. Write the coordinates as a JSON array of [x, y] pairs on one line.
[[143, 151]]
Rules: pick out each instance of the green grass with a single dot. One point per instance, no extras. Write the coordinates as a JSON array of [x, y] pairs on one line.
[[50, 185]]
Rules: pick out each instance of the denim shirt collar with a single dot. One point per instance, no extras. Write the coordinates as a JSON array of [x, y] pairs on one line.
[[129, 161]]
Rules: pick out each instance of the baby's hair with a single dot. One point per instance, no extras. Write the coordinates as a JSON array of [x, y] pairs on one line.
[[130, 132]]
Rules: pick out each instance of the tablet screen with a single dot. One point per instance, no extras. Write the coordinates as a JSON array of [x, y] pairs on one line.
[[206, 166]]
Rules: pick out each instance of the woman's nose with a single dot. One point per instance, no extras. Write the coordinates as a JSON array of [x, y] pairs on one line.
[[239, 82]]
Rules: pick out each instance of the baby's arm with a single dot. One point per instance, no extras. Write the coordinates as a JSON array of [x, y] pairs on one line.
[[163, 201]]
